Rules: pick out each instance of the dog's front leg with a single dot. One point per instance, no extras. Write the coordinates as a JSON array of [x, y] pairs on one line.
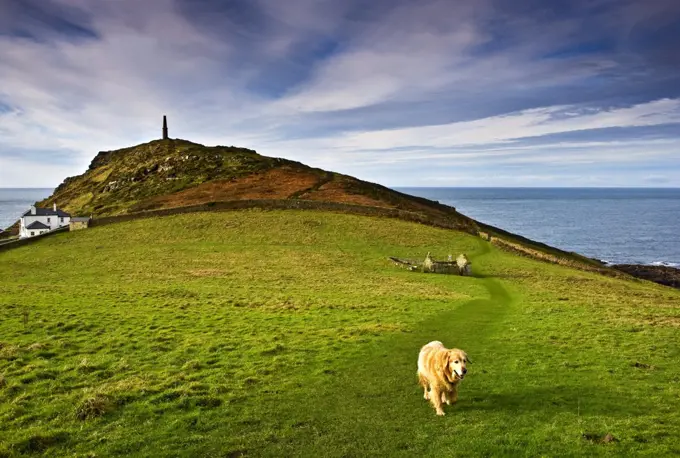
[[445, 398], [436, 398], [453, 395]]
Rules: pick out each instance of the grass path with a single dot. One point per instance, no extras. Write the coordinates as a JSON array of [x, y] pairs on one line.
[[360, 410]]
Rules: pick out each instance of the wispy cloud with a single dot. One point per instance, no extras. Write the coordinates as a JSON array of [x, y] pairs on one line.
[[376, 90], [528, 123]]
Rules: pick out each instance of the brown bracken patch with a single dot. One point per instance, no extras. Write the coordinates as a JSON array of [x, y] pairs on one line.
[[335, 191], [276, 183]]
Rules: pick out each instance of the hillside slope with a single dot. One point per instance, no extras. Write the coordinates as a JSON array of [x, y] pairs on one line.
[[289, 333], [175, 173]]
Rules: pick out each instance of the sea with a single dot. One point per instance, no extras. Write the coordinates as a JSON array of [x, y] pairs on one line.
[[15, 201], [615, 225]]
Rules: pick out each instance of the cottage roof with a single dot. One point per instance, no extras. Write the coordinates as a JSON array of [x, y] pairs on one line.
[[37, 225], [47, 212]]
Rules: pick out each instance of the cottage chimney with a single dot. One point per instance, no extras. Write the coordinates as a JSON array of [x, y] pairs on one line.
[[32, 209], [54, 206]]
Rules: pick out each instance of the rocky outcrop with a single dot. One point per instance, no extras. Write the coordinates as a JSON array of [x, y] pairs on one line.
[[664, 275]]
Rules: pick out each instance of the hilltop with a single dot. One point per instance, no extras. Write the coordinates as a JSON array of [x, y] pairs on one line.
[[176, 173]]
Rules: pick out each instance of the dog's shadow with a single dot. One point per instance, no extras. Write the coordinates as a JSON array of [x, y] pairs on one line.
[[577, 399]]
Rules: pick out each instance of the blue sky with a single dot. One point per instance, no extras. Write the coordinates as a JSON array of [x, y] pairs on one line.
[[404, 93]]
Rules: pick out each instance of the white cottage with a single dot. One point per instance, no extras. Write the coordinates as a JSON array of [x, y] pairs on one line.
[[37, 221]]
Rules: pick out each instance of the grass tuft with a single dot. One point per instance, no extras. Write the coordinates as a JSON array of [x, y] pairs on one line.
[[36, 346], [192, 365], [9, 352], [93, 406]]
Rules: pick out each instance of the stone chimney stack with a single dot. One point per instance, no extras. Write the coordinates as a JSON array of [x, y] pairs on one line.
[[32, 209], [54, 206], [165, 128]]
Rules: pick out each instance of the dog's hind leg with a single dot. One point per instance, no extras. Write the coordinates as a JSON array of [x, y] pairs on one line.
[[426, 386]]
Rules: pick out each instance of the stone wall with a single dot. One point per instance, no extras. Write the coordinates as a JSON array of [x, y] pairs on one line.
[[4, 246], [294, 204]]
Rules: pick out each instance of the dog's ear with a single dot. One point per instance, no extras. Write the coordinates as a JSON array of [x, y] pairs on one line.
[[442, 361], [447, 362]]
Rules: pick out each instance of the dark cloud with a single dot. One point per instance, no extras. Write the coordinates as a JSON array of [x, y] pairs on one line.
[[43, 19]]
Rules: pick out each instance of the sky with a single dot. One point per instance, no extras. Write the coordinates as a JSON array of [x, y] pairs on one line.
[[400, 92]]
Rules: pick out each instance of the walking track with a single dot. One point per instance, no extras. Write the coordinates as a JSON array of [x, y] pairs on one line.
[[377, 394]]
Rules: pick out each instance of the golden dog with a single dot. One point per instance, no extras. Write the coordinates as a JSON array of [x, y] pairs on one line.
[[440, 371]]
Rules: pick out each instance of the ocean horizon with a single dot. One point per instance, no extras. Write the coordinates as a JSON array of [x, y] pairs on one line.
[[616, 225], [15, 201]]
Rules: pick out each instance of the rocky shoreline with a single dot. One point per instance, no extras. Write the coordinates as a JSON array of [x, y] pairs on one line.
[[664, 275]]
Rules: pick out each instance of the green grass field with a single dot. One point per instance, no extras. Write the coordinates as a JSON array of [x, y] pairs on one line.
[[290, 334]]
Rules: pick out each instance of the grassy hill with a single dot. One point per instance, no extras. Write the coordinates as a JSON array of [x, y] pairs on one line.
[[177, 173], [287, 333]]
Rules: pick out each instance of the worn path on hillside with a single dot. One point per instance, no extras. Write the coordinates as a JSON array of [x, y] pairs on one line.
[[369, 398], [469, 323]]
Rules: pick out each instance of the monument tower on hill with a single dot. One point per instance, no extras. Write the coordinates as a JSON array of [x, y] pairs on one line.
[[165, 128]]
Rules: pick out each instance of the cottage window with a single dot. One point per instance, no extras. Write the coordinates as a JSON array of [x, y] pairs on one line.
[[32, 233], [62, 219], [48, 219]]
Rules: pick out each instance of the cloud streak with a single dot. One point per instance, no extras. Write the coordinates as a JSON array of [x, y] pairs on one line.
[[528, 123], [373, 90]]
